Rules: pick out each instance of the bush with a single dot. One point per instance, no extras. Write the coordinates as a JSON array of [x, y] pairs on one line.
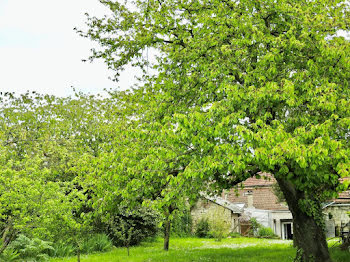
[[181, 225], [254, 226], [131, 227], [266, 232], [9, 255], [202, 228], [219, 228], [235, 234], [31, 249], [62, 249], [259, 230], [97, 243]]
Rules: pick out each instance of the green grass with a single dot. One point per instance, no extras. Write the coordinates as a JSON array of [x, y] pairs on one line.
[[194, 249]]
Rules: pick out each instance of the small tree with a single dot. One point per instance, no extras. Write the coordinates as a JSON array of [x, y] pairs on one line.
[[125, 232]]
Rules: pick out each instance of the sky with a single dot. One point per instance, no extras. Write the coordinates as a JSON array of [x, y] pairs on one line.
[[40, 51]]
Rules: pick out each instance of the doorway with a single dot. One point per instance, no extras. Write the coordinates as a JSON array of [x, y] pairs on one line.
[[287, 230]]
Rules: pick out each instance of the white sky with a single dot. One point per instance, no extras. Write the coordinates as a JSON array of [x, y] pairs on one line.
[[40, 51]]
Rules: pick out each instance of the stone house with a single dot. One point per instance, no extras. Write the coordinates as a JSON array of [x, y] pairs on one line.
[[257, 199], [336, 213], [214, 208]]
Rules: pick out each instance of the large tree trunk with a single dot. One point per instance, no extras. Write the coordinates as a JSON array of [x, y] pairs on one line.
[[309, 236]]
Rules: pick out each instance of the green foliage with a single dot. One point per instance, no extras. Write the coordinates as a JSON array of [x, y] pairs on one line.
[[96, 243], [46, 148], [235, 234], [9, 255], [278, 193], [266, 232], [89, 244], [239, 87], [129, 228], [62, 249], [255, 226], [41, 145], [219, 229], [181, 225], [202, 228], [260, 231], [31, 249]]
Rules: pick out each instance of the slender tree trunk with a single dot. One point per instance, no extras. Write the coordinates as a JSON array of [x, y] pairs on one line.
[[4, 246], [167, 226], [166, 234], [6, 236], [308, 235], [78, 253]]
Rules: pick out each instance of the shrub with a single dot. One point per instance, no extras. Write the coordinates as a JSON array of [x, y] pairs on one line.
[[62, 249], [202, 228], [97, 243], [9, 255], [235, 234], [219, 229], [266, 232], [140, 224], [31, 249], [254, 226], [259, 230], [182, 224]]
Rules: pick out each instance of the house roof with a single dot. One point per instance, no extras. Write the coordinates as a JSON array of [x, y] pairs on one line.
[[235, 208], [344, 197], [265, 180]]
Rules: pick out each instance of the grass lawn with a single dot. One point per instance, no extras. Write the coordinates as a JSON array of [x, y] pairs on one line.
[[194, 249]]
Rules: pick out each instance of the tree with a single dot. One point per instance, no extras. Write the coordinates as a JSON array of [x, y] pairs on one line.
[[250, 86], [43, 142], [142, 166]]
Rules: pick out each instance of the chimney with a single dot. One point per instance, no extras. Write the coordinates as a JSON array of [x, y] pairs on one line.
[[250, 199]]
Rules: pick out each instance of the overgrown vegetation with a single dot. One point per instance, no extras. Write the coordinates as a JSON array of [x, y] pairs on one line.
[[48, 146], [260, 231], [202, 228], [36, 250], [182, 224]]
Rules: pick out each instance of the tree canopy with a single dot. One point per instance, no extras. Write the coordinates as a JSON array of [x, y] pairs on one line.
[[45, 142], [245, 87]]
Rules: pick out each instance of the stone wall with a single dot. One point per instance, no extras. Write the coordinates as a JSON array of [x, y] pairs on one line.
[[215, 214], [339, 213]]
